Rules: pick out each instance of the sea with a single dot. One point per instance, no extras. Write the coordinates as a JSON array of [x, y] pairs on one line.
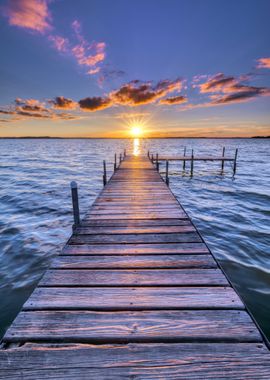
[[232, 212]]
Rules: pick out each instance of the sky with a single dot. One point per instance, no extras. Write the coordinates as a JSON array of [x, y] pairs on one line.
[[155, 68]]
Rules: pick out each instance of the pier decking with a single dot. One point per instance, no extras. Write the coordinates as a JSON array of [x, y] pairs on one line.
[[134, 294]]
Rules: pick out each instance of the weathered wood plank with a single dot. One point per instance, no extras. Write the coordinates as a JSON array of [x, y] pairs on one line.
[[133, 261], [138, 249], [185, 237], [137, 298], [157, 215], [143, 326], [236, 361], [136, 277], [134, 222], [133, 230]]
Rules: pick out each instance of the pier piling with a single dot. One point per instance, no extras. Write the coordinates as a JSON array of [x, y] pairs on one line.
[[104, 173], [167, 173], [222, 161], [192, 163], [235, 161], [75, 204], [184, 162]]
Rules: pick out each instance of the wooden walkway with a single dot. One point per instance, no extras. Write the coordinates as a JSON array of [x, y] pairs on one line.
[[135, 294]]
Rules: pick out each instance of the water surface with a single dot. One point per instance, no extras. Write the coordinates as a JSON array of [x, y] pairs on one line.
[[232, 213]]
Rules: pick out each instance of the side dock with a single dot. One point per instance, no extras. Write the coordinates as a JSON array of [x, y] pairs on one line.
[[135, 294]]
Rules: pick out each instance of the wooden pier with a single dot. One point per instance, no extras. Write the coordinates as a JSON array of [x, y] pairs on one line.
[[135, 294]]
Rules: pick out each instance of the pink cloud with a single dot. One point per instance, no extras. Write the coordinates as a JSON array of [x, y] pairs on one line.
[[60, 43], [87, 54], [28, 14], [93, 71], [263, 63]]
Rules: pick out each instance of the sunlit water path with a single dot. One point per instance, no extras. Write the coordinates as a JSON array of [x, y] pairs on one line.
[[232, 214]]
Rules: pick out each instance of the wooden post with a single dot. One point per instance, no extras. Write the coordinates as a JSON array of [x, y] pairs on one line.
[[192, 164], [120, 158], [115, 162], [222, 162], [167, 172], [125, 152], [157, 163], [104, 173], [148, 154], [75, 204], [235, 159], [152, 158], [184, 162]]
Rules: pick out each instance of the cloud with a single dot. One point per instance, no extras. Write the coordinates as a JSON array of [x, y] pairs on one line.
[[137, 93], [228, 89], [34, 15], [32, 108], [173, 100], [60, 102], [93, 71], [87, 54], [95, 103], [263, 63], [242, 94], [28, 14], [60, 43], [216, 83]]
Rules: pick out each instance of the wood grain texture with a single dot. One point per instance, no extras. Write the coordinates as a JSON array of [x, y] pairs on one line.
[[135, 277], [136, 298], [135, 326], [184, 237], [133, 230], [132, 261], [138, 249], [236, 361], [88, 222]]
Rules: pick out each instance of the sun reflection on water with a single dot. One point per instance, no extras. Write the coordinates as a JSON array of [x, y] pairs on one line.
[[136, 147]]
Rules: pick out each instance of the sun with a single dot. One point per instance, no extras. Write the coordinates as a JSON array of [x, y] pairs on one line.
[[136, 130]]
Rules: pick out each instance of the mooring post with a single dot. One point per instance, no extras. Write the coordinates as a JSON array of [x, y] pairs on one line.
[[167, 172], [125, 152], [75, 204], [235, 159], [148, 154], [120, 158], [192, 163], [104, 173], [115, 162], [152, 158], [157, 163], [184, 162], [222, 161]]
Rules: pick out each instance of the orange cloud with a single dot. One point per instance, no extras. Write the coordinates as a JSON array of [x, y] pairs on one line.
[[137, 93], [263, 63], [60, 102], [174, 100], [242, 94], [95, 103], [28, 14], [216, 83]]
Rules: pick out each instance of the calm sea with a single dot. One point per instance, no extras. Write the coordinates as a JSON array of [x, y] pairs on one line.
[[232, 214]]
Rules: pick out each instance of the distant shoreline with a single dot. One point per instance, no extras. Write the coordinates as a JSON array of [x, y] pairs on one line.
[[126, 138]]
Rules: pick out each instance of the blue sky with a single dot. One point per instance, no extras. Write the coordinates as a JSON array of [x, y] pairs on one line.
[[96, 68]]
